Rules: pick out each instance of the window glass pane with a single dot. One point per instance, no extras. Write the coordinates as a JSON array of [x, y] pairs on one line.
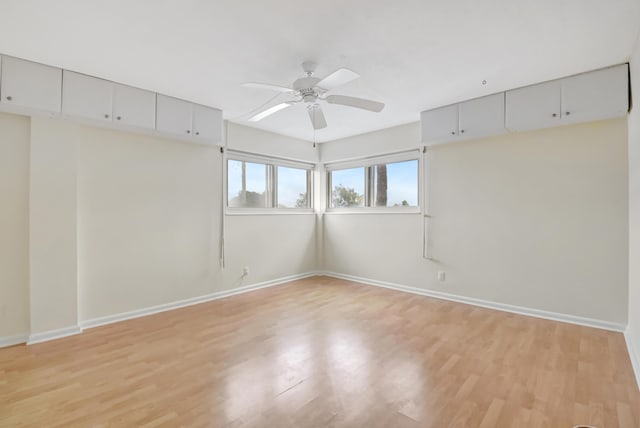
[[246, 184], [348, 188], [292, 188], [396, 184]]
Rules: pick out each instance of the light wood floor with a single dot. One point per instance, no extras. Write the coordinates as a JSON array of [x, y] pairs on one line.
[[324, 352]]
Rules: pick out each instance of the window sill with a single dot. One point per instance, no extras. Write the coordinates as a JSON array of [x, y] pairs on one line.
[[368, 211], [268, 211]]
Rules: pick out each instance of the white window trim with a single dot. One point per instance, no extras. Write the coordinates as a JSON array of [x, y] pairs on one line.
[[267, 160], [367, 162]]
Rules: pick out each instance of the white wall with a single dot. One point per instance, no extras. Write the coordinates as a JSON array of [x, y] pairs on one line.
[[52, 233], [149, 223], [14, 225], [633, 331], [534, 219], [251, 140], [100, 222], [398, 138], [148, 220]]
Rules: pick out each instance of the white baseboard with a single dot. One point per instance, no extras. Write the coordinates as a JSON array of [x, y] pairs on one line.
[[53, 334], [109, 319], [13, 340], [633, 355], [538, 313]]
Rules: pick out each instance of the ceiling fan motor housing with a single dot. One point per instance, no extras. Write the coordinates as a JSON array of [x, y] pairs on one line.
[[305, 86]]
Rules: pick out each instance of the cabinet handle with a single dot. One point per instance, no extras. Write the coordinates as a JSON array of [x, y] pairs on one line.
[[453, 132], [9, 98], [118, 118], [567, 113], [197, 133], [106, 116], [188, 132], [462, 131], [554, 115]]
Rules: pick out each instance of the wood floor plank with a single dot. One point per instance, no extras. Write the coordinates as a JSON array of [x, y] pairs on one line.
[[324, 352]]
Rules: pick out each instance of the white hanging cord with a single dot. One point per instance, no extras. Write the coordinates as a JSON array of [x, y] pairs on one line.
[[426, 221], [314, 128], [222, 194]]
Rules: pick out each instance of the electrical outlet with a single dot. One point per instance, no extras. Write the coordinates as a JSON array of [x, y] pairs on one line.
[[245, 271], [441, 276]]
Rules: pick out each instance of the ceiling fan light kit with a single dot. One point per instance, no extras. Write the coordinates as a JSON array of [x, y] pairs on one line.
[[311, 90]]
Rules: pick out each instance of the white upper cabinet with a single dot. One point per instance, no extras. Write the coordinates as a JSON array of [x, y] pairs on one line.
[[98, 99], [533, 107], [601, 94], [29, 87], [180, 117], [482, 116], [207, 123], [133, 106], [173, 115], [439, 124], [470, 119], [86, 96], [597, 95], [32, 85]]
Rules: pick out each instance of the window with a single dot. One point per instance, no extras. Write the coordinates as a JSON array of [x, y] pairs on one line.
[[347, 188], [395, 184], [387, 182], [247, 184], [293, 187], [267, 184]]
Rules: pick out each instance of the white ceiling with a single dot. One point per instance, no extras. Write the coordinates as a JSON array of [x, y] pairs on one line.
[[412, 54]]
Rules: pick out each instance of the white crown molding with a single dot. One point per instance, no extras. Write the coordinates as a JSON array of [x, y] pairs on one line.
[[109, 319], [45, 336], [538, 313], [13, 339]]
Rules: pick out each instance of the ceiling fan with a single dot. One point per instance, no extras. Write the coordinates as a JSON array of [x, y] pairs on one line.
[[311, 90]]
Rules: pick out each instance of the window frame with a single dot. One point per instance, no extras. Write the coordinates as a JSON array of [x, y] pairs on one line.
[[369, 164], [271, 183]]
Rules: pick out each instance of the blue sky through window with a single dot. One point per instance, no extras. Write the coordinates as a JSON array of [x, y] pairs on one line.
[[402, 183], [291, 183]]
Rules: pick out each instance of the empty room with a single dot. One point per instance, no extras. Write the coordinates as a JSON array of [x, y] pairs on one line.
[[413, 213]]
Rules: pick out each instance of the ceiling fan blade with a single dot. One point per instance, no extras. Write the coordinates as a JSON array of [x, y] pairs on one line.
[[337, 78], [317, 118], [356, 102], [268, 111], [266, 86]]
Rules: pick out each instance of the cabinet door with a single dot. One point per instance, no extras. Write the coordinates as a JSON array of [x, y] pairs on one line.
[[173, 115], [440, 124], [482, 116], [28, 84], [533, 107], [601, 94], [207, 123], [133, 106], [86, 96]]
